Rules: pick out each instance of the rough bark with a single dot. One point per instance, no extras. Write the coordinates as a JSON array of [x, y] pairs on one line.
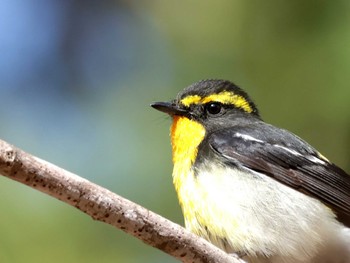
[[103, 205]]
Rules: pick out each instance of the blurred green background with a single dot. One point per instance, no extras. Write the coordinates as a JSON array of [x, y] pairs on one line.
[[77, 78]]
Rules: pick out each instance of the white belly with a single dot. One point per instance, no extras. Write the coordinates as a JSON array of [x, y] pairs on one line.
[[253, 213]]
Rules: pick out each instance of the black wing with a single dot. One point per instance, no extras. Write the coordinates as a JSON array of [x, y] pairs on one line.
[[288, 159]]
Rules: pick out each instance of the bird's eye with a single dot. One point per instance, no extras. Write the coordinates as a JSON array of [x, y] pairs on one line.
[[213, 108]]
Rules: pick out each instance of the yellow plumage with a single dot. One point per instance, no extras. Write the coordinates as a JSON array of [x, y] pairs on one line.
[[201, 209], [227, 192], [235, 210], [186, 135]]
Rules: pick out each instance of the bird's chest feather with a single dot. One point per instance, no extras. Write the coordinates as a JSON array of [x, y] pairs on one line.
[[186, 135], [245, 211]]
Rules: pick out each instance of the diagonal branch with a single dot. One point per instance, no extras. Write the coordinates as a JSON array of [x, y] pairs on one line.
[[103, 205]]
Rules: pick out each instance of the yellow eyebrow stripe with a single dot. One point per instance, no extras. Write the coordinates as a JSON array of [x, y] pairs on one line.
[[224, 97], [191, 99], [227, 97]]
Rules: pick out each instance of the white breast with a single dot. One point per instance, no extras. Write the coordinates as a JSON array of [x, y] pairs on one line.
[[248, 211]]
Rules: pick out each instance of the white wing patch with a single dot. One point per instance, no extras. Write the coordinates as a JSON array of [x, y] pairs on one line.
[[316, 160], [247, 137], [294, 152], [288, 150], [309, 157]]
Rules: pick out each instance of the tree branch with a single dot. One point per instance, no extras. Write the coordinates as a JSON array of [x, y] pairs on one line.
[[103, 205]]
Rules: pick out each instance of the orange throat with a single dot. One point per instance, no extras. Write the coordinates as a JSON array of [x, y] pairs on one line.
[[186, 135]]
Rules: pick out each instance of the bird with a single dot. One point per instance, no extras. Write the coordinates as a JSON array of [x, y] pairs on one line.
[[251, 188]]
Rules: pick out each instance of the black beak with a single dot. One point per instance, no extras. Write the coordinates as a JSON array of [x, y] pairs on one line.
[[169, 108]]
